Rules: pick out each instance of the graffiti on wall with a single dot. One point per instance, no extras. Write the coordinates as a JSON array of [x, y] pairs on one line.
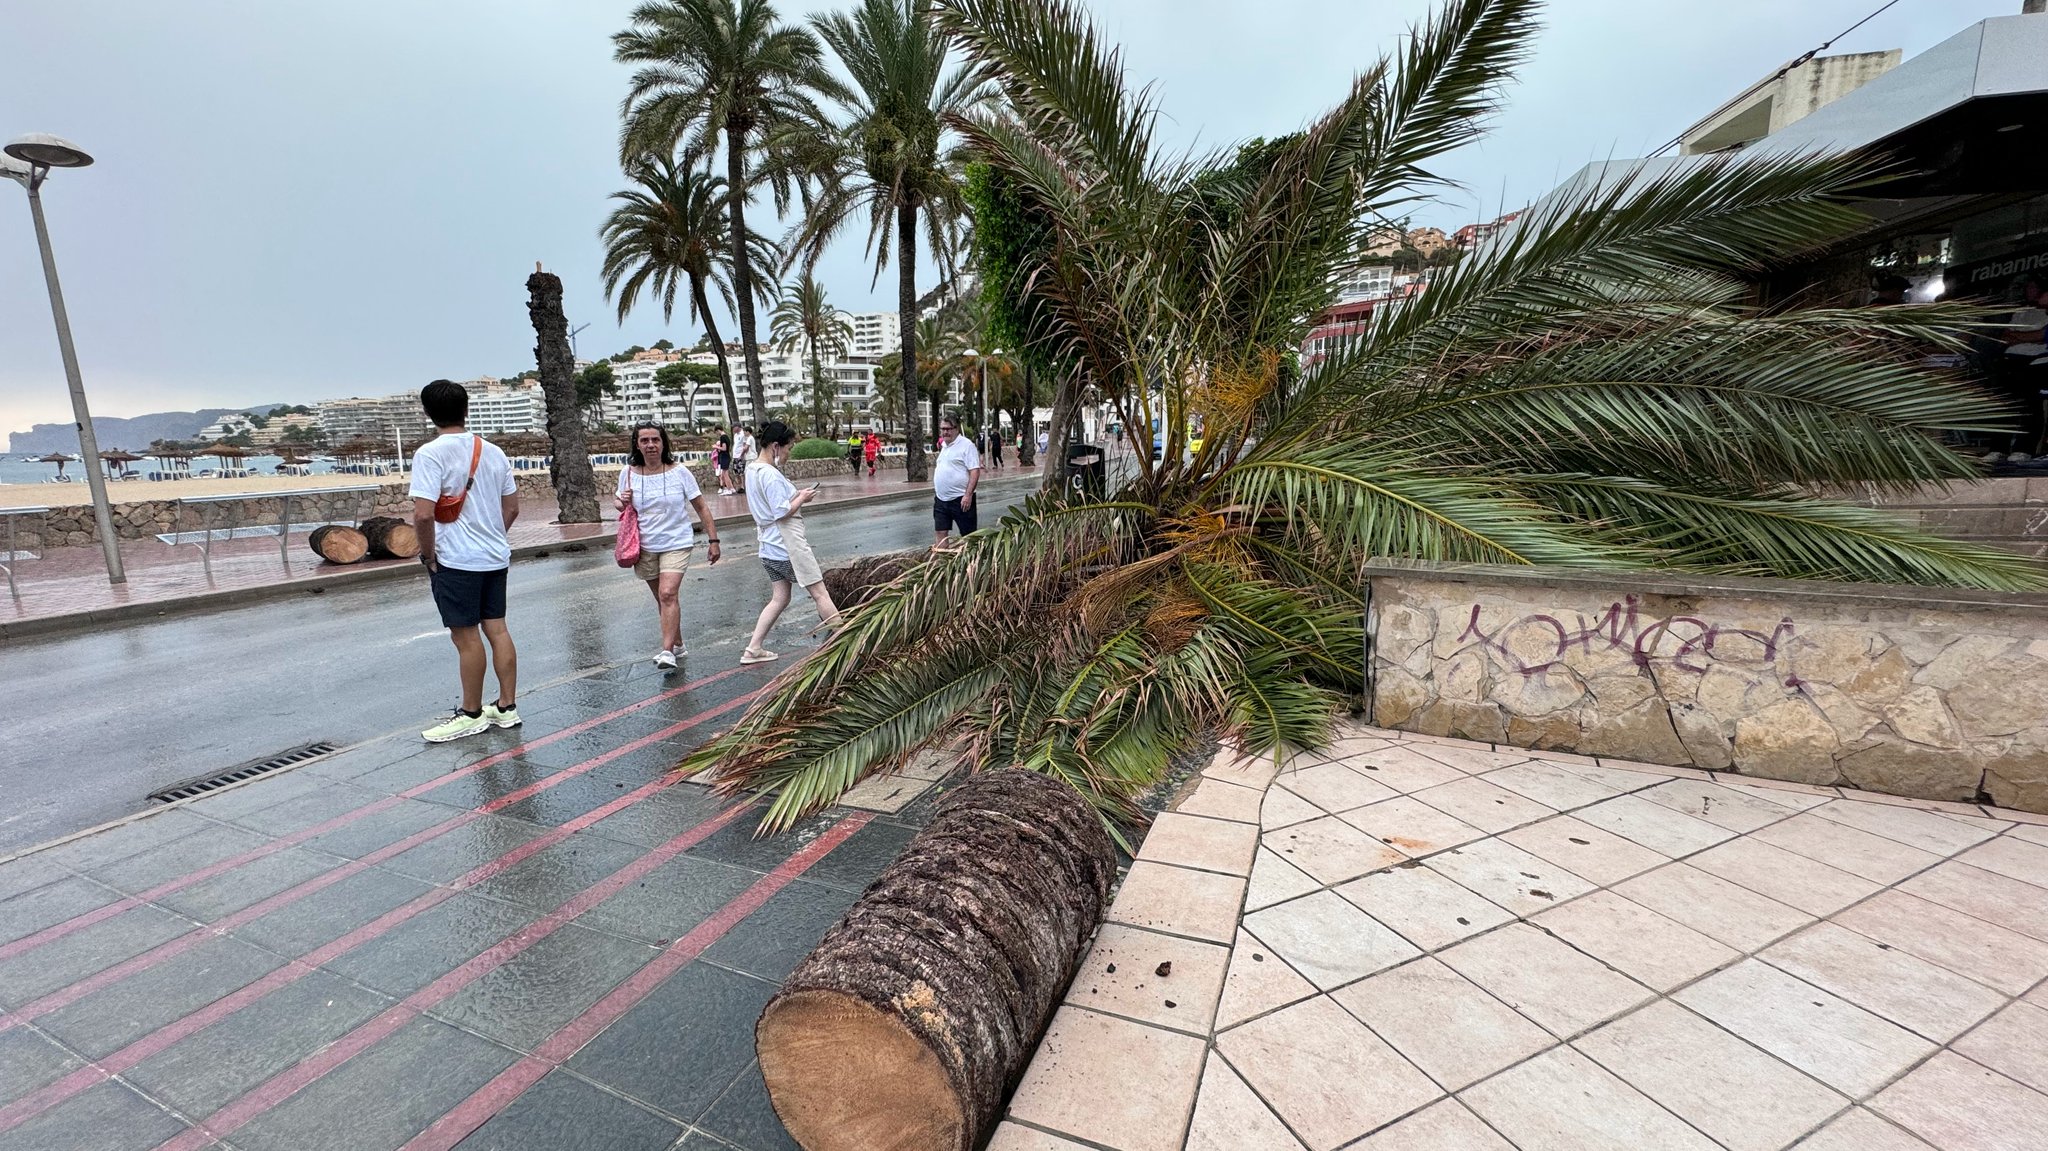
[[1535, 642]]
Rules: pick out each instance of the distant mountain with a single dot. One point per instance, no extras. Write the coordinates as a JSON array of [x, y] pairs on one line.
[[134, 433]]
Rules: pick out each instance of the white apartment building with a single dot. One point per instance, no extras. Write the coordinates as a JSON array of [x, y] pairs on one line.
[[232, 424], [783, 379], [375, 418], [875, 334], [1369, 282], [501, 408]]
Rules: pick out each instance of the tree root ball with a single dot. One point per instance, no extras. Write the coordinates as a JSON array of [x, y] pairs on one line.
[[856, 583], [912, 1020]]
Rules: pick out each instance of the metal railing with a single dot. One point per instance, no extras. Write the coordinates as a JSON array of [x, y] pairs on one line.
[[212, 509], [14, 555]]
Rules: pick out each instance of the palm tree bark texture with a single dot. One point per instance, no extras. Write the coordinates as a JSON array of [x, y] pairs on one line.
[[575, 482], [909, 1024]]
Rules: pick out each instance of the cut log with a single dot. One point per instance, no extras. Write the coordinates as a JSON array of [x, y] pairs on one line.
[[912, 1020], [339, 544], [391, 538], [857, 582]]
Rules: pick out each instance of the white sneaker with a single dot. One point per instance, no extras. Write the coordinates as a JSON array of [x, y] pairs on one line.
[[665, 660]]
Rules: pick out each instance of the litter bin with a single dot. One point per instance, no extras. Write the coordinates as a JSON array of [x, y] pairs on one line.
[[1087, 471]]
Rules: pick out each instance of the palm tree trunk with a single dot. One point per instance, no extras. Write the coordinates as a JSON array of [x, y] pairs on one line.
[[820, 402], [742, 272], [1066, 399], [575, 482], [732, 402], [906, 323], [1020, 418]]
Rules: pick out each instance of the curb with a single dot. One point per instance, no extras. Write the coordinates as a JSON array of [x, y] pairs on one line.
[[235, 597]]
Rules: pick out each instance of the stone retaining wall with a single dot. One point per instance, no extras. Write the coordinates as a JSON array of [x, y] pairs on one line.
[[73, 526], [1918, 692]]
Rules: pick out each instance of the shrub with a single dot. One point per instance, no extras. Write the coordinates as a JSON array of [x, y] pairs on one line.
[[817, 450]]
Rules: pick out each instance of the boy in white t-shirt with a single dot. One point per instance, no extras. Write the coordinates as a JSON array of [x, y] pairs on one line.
[[467, 554]]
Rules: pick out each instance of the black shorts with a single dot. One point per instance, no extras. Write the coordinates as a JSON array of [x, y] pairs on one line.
[[949, 514], [466, 599]]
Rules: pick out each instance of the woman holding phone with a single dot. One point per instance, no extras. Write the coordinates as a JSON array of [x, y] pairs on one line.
[[786, 556], [662, 492]]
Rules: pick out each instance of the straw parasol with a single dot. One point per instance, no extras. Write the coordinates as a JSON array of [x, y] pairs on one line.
[[58, 458], [119, 459], [360, 448]]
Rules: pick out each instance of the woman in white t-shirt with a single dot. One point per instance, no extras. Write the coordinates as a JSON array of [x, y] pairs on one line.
[[662, 492], [786, 556]]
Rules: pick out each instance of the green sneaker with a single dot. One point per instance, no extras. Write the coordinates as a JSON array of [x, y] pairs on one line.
[[506, 718], [457, 726]]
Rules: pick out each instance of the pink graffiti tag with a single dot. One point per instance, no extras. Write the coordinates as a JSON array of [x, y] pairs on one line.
[[1546, 640]]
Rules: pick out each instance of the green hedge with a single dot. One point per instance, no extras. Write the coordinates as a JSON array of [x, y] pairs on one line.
[[818, 450]]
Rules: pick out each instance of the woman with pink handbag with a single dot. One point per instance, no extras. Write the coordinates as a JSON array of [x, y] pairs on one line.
[[654, 500]]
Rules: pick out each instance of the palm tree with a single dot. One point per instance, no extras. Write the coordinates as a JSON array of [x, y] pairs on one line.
[[725, 74], [804, 321], [891, 159], [667, 234], [1588, 390]]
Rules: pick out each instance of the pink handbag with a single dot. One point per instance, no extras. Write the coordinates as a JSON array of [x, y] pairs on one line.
[[627, 548]]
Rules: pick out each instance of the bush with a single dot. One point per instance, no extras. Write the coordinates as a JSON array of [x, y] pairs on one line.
[[818, 450]]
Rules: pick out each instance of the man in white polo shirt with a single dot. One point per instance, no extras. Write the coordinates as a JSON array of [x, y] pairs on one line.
[[464, 500], [954, 476]]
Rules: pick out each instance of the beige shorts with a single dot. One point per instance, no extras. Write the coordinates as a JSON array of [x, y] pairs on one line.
[[802, 560], [652, 564]]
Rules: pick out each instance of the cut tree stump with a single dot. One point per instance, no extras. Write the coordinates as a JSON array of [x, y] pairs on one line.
[[857, 582], [391, 538], [908, 1025], [339, 544]]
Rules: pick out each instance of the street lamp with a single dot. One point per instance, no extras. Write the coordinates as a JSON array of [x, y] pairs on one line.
[[981, 369], [30, 159]]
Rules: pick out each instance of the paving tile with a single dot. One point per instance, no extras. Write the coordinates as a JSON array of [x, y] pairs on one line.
[[2012, 858], [1508, 876], [1563, 1101], [420, 950], [1925, 830], [1200, 904], [1825, 1036], [668, 901], [1079, 1083], [1017, 1137], [1427, 909], [1800, 795], [2032, 833], [1230, 1117], [1714, 907], [563, 1111], [770, 942], [856, 863], [1744, 1099], [1403, 770], [1411, 826], [1930, 1000], [1308, 1062], [1231, 766], [1584, 850], [115, 1016], [1274, 879], [109, 1117], [1195, 841], [66, 960], [261, 792], [2009, 903], [28, 1061], [540, 989], [1258, 981], [1334, 787], [1654, 949], [91, 852], [1486, 807], [1638, 777], [558, 872], [1120, 975], [361, 837], [29, 873], [249, 884], [181, 856], [1219, 800], [1330, 849], [1985, 952], [335, 910], [1958, 1105], [1848, 849], [315, 806], [1860, 1130], [1563, 991], [50, 904], [1327, 939], [2013, 1043], [1442, 1022], [745, 1117], [1737, 809], [1472, 758], [664, 815], [1446, 1125], [1793, 880], [702, 1018], [1654, 825], [884, 792], [1550, 785], [1283, 808]]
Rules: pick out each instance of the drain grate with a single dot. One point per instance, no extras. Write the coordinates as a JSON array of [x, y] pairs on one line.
[[200, 785]]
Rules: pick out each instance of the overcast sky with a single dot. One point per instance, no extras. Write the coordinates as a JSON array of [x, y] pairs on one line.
[[296, 201]]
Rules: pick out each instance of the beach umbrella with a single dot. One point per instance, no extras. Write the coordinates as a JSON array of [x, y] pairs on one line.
[[58, 458], [119, 459], [360, 448]]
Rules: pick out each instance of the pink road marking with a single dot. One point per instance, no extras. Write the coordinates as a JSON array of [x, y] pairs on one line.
[[296, 1078], [87, 919], [493, 1097]]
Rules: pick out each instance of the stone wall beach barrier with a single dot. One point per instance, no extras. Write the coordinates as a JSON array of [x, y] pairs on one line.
[[1919, 692]]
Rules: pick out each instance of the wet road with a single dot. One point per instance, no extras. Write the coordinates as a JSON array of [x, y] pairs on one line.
[[91, 723]]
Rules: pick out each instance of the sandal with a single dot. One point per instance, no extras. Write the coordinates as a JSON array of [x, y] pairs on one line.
[[749, 655]]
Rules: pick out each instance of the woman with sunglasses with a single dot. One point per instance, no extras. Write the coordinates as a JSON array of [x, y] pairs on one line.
[[662, 492]]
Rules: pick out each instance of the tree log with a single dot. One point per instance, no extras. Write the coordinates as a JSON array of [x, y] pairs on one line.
[[857, 582], [391, 538], [339, 544], [909, 1024], [575, 482]]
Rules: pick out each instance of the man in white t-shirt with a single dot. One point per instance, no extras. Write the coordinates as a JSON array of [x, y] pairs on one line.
[[954, 476], [742, 454], [464, 500]]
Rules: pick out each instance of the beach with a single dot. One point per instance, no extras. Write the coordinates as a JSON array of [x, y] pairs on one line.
[[136, 491]]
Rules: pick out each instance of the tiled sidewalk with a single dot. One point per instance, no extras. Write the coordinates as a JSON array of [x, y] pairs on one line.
[[1410, 944]]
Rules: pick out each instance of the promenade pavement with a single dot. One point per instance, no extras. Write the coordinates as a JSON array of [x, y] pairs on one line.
[[1415, 944]]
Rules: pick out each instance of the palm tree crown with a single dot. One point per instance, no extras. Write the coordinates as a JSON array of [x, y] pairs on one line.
[[804, 321]]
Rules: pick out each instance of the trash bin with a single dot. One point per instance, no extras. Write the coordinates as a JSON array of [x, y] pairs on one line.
[[1087, 471]]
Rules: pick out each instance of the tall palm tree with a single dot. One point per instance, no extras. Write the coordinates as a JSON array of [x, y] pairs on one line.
[[670, 233], [1587, 390], [804, 321], [891, 162], [730, 75]]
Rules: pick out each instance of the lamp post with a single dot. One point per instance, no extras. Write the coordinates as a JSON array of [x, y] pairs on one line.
[[981, 369], [32, 157]]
